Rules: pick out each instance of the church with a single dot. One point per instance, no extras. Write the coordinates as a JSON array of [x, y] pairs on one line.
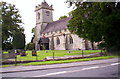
[[54, 35]]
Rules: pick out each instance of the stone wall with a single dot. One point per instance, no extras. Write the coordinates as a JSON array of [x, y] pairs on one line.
[[78, 43]]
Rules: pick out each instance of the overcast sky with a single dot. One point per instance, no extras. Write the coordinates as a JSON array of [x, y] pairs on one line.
[[27, 11]]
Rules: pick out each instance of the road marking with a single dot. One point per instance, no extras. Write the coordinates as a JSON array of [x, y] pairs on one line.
[[90, 68], [57, 73], [115, 63], [105, 66], [83, 69]]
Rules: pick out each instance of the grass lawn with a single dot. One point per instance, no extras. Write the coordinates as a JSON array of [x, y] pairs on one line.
[[57, 53], [5, 52], [62, 61]]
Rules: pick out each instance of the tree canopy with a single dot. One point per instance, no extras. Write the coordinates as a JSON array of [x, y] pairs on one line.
[[11, 24], [97, 22], [19, 40], [33, 30], [62, 17], [30, 46]]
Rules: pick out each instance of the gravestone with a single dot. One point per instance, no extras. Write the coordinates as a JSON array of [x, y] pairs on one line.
[[34, 53], [68, 51], [18, 52], [23, 53], [46, 51]]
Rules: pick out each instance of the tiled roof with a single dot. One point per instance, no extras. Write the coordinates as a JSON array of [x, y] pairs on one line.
[[56, 25]]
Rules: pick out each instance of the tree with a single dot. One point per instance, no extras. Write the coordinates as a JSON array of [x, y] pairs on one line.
[[70, 13], [33, 30], [33, 37], [30, 46], [11, 23], [0, 33], [97, 22], [18, 40], [62, 17]]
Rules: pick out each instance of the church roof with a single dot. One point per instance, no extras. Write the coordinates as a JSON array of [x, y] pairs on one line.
[[57, 25]]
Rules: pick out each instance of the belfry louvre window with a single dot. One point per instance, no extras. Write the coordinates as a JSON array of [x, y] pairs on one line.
[[38, 15], [58, 41], [47, 12], [71, 40]]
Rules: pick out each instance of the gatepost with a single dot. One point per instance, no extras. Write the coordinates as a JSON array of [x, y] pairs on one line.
[[34, 53], [53, 55], [82, 53], [15, 58]]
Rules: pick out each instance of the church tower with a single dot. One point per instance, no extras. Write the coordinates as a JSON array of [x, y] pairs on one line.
[[43, 17]]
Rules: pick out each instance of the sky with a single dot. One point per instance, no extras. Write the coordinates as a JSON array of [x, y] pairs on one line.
[[27, 12]]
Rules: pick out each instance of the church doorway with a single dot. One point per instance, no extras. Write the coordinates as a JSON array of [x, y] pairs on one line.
[[44, 43]]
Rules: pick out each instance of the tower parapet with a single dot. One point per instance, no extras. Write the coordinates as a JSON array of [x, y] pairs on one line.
[[44, 5]]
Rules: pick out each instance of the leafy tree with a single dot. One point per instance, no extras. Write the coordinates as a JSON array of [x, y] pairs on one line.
[[32, 38], [0, 33], [70, 13], [62, 17], [98, 22], [11, 23], [19, 40], [33, 30], [30, 46]]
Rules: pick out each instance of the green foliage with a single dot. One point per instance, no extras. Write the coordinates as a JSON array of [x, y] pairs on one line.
[[32, 38], [62, 17], [70, 13], [30, 46], [11, 21], [33, 30], [43, 47], [0, 31], [19, 40], [97, 22]]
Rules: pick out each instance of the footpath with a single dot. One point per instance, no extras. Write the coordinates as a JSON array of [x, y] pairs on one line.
[[55, 66]]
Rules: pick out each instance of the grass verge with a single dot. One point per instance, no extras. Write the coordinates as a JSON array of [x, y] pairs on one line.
[[62, 61], [57, 53]]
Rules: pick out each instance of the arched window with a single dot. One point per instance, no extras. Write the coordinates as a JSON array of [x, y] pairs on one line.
[[58, 41], [71, 40], [38, 15]]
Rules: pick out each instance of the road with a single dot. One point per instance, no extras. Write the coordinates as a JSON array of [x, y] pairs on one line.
[[99, 70]]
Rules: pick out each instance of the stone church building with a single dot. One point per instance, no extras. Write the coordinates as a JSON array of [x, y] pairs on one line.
[[54, 35]]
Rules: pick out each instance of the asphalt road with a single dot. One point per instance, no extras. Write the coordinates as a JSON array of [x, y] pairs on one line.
[[99, 70]]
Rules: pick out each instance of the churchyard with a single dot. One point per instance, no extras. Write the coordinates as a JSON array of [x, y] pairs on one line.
[[37, 58], [49, 53]]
